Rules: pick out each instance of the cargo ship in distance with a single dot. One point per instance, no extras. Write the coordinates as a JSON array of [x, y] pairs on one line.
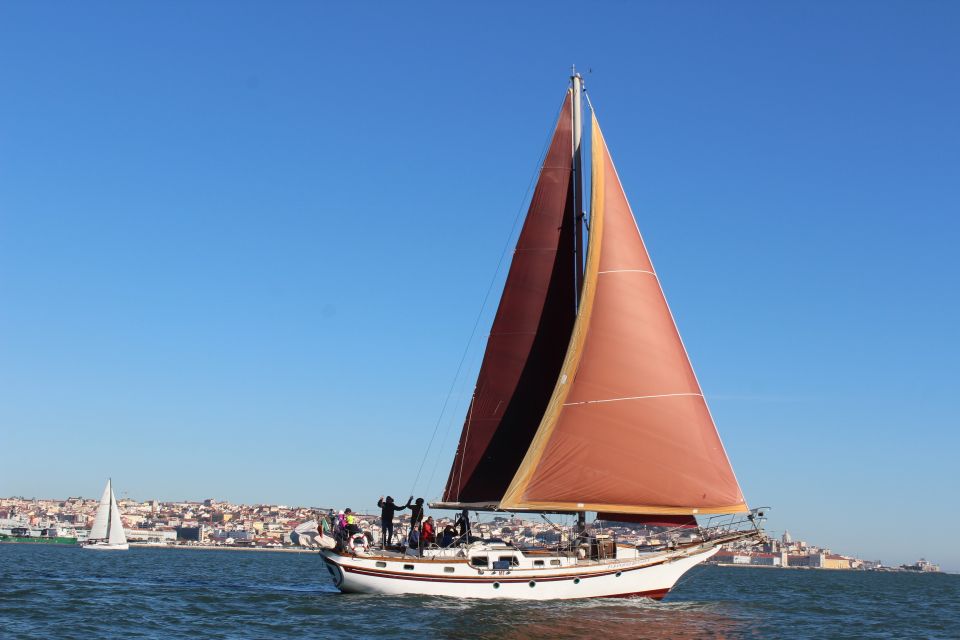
[[47, 535]]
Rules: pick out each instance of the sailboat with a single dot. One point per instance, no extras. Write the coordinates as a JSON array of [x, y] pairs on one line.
[[107, 531], [586, 401]]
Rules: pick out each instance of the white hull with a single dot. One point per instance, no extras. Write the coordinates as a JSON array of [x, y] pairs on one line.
[[651, 575], [105, 546]]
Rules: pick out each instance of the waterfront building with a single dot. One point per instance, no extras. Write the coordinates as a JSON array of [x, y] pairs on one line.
[[151, 536], [922, 566]]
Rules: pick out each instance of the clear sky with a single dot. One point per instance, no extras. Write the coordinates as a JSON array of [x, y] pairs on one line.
[[242, 246]]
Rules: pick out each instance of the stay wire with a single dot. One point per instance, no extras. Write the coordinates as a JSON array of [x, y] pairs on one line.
[[452, 419], [486, 298]]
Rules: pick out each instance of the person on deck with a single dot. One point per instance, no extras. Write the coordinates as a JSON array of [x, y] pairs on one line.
[[446, 538], [353, 527], [462, 523], [387, 510], [428, 533], [325, 523], [340, 528], [416, 513]]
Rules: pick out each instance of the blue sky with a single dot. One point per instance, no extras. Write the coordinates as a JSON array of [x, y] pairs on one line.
[[242, 246]]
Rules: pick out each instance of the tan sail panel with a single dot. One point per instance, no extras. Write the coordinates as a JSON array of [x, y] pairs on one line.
[[627, 429]]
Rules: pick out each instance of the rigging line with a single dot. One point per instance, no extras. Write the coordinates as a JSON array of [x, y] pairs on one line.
[[548, 521], [446, 433], [466, 437], [536, 172]]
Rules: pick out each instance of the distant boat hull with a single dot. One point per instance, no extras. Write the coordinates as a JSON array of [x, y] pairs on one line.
[[651, 577], [38, 539], [105, 546]]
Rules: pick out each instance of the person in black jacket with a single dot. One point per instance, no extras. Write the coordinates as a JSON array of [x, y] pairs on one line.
[[387, 510], [416, 512]]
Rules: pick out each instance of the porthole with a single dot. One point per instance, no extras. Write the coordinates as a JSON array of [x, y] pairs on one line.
[[408, 567], [496, 585], [576, 581], [448, 569], [619, 573], [381, 564], [532, 583]]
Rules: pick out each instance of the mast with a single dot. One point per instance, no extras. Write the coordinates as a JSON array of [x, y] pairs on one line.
[[576, 180]]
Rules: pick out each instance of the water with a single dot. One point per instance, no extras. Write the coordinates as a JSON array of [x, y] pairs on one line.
[[66, 592]]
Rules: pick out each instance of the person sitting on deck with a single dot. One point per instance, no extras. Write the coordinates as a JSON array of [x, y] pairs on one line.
[[387, 510], [413, 540], [427, 533], [446, 538]]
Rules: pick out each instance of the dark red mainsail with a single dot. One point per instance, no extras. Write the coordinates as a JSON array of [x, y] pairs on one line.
[[528, 339]]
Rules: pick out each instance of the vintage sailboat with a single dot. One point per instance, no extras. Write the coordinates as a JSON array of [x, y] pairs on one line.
[[585, 401], [107, 531]]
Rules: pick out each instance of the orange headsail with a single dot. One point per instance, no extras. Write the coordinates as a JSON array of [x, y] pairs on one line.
[[627, 429]]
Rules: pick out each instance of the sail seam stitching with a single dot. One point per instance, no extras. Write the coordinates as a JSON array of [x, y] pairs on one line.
[[662, 395], [627, 271]]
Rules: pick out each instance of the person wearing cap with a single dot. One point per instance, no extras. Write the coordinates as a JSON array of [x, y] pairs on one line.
[[388, 509], [340, 527]]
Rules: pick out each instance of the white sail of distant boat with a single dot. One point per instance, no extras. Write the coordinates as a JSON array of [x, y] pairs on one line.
[[107, 531]]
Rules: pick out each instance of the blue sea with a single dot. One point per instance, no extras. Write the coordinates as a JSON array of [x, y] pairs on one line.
[[66, 592]]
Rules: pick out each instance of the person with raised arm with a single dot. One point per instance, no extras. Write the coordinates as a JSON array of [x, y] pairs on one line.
[[388, 509]]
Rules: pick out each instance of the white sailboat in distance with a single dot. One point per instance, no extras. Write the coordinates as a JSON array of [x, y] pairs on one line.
[[107, 531]]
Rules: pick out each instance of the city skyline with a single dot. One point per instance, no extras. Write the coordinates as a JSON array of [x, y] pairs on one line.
[[241, 255], [266, 526], [298, 513]]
